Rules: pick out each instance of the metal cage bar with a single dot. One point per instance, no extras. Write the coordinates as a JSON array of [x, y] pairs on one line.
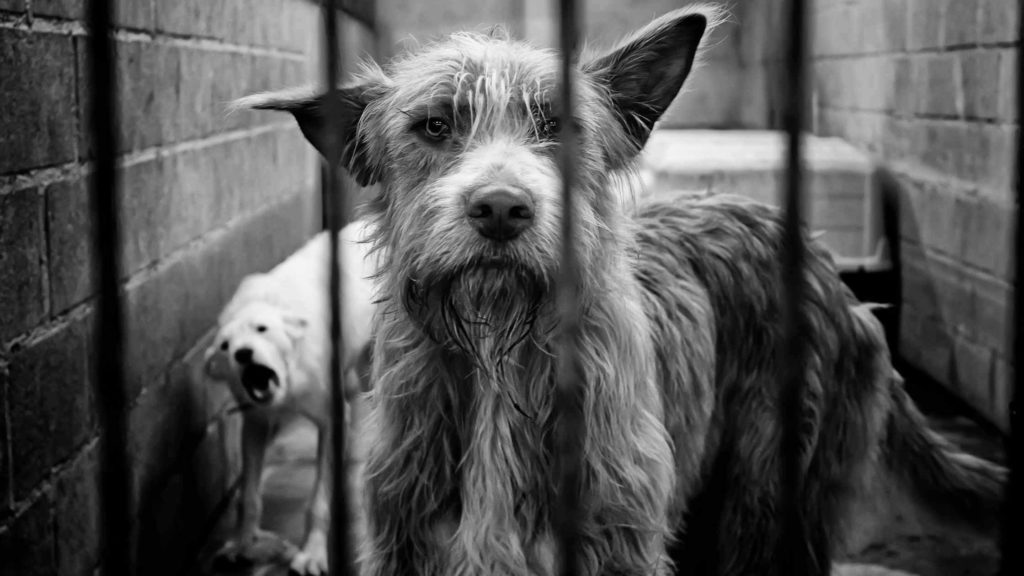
[[571, 429], [335, 209], [108, 344], [1013, 512], [792, 553]]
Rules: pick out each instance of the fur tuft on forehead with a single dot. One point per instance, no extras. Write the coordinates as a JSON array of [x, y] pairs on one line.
[[474, 78]]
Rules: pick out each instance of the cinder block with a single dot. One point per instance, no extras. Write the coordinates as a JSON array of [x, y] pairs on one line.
[[996, 158], [1008, 110], [972, 304], [148, 79], [50, 402], [128, 13], [22, 250], [76, 515], [987, 238], [874, 83], [904, 99], [980, 72], [37, 118], [961, 22], [70, 234], [928, 213], [27, 546], [999, 20], [937, 85], [926, 26], [971, 152], [882, 26]]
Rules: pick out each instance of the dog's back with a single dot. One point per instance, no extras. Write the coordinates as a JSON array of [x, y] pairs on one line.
[[714, 261]]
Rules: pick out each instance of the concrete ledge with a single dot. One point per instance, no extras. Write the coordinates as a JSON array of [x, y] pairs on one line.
[[844, 201]]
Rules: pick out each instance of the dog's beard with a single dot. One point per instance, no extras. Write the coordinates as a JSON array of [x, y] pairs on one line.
[[484, 310]]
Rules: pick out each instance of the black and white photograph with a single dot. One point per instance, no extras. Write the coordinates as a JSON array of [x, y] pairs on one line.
[[511, 288]]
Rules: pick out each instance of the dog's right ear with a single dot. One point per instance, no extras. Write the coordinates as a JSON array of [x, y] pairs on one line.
[[310, 110], [645, 73], [216, 364]]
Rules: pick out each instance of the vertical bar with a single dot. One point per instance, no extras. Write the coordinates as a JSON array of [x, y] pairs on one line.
[[1013, 512], [792, 553], [570, 429], [108, 378], [335, 209]]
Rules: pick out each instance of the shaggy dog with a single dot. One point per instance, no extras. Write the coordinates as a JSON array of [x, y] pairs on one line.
[[680, 307], [272, 349]]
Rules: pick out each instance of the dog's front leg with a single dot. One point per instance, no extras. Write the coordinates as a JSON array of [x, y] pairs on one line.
[[312, 560], [255, 436]]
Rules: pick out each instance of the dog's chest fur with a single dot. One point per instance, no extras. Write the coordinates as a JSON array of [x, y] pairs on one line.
[[504, 474]]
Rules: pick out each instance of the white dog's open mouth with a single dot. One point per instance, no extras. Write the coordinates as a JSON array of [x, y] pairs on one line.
[[259, 382]]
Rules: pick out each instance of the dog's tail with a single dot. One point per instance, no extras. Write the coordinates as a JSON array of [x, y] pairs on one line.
[[947, 481]]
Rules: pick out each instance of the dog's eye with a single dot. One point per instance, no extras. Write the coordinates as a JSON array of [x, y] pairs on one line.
[[550, 127], [224, 345], [261, 328], [435, 129]]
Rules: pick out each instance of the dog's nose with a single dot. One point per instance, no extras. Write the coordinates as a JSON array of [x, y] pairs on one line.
[[243, 355], [500, 213]]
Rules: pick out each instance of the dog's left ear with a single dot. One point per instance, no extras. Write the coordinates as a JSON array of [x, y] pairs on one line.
[[311, 110], [646, 72]]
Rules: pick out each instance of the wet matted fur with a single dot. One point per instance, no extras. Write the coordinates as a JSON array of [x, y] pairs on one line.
[[680, 324]]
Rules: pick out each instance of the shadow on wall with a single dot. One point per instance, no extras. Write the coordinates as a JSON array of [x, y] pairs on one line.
[[185, 477], [924, 351]]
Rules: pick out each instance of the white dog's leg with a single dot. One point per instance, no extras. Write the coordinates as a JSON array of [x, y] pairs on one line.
[[255, 437], [313, 558]]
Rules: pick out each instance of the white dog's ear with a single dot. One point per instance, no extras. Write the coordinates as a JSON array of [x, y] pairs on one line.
[[339, 142], [295, 326], [645, 73], [216, 364]]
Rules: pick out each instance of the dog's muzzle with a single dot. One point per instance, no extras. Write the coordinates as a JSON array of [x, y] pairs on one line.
[[259, 382]]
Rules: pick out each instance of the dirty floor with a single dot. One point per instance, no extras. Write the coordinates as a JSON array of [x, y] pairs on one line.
[[889, 537]]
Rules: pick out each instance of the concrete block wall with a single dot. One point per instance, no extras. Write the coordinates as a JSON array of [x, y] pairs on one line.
[[205, 199], [927, 86]]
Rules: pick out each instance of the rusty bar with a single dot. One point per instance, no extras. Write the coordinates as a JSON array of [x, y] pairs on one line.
[[334, 202], [570, 431], [792, 553], [1013, 512], [108, 343]]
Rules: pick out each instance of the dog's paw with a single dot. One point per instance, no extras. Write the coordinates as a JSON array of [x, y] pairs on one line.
[[247, 550], [232, 555], [312, 560]]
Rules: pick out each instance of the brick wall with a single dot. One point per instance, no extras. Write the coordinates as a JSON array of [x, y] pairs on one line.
[[928, 87], [206, 198]]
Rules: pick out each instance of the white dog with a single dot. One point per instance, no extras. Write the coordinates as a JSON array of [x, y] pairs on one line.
[[272, 350]]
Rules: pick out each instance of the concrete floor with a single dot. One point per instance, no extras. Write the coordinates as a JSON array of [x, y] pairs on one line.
[[889, 536]]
